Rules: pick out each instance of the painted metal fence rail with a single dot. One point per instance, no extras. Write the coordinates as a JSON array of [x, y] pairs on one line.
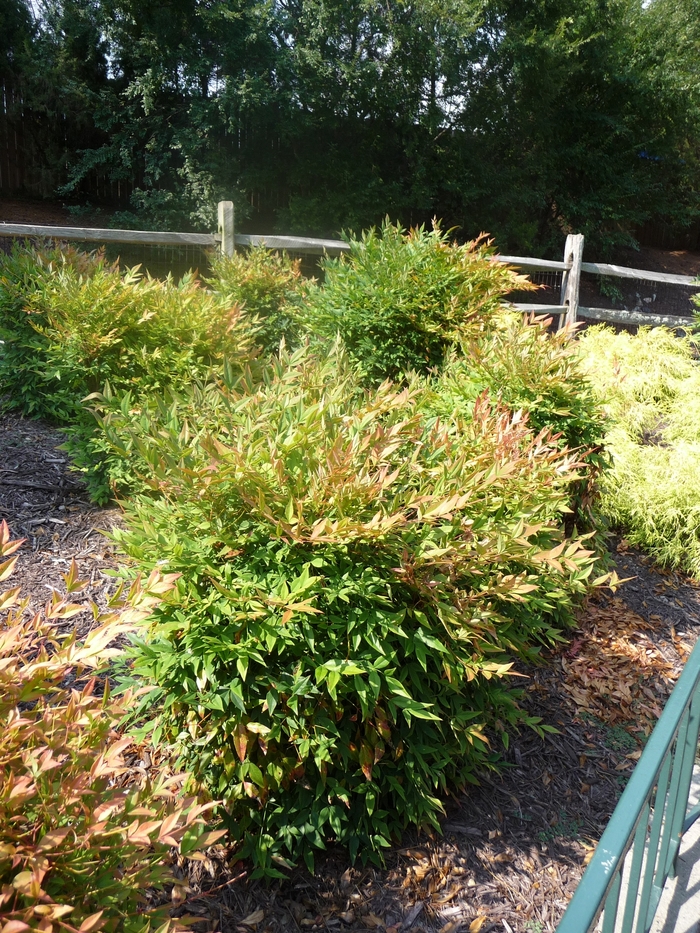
[[638, 850]]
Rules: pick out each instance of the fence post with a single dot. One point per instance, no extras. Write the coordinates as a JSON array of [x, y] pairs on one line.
[[226, 228], [571, 280]]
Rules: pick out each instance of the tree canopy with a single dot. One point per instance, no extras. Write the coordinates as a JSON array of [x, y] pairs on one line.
[[525, 118]]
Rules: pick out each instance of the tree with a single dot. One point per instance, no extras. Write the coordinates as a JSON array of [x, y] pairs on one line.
[[525, 118]]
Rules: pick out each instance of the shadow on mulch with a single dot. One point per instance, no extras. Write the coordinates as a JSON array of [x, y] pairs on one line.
[[512, 849]]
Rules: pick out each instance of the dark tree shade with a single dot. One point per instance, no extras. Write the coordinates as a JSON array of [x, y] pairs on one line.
[[525, 118]]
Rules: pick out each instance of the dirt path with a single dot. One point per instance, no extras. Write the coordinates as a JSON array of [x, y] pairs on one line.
[[513, 849]]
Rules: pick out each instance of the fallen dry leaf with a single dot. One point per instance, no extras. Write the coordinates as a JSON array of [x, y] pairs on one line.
[[446, 898], [502, 857], [414, 853], [477, 923], [346, 880], [252, 920], [372, 920], [178, 895], [617, 673]]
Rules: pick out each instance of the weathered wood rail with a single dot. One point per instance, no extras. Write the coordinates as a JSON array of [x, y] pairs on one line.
[[227, 240], [166, 238], [571, 268]]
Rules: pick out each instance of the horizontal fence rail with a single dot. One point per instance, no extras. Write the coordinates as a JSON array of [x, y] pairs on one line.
[[155, 238], [294, 244], [638, 850], [98, 235], [540, 309], [535, 265], [635, 318], [567, 273], [623, 272]]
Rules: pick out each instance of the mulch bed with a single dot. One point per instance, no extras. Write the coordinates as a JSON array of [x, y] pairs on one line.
[[45, 503], [512, 849]]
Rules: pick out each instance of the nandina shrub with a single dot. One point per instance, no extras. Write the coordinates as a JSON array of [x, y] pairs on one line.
[[81, 328], [267, 285], [73, 325], [649, 385], [401, 300], [355, 585], [78, 846], [22, 366], [526, 368]]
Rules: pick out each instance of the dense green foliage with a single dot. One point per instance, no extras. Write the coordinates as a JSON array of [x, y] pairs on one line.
[[357, 579], [267, 285], [524, 366], [72, 325], [649, 385], [359, 566], [520, 117], [399, 301]]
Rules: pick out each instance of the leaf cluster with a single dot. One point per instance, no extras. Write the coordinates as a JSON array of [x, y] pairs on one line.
[[72, 325], [266, 285], [401, 300], [356, 584], [78, 847], [526, 367]]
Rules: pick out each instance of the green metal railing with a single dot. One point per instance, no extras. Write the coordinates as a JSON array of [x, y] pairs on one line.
[[650, 820]]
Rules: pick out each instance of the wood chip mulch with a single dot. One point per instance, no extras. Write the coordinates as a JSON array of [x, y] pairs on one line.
[[512, 849], [44, 502]]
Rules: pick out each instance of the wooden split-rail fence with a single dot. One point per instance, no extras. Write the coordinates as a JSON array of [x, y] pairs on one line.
[[568, 310]]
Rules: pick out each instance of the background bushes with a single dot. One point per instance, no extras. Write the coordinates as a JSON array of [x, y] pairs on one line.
[[270, 285], [72, 325], [526, 368]]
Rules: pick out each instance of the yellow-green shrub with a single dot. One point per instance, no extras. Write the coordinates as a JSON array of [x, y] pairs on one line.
[[72, 325], [77, 848], [268, 286], [649, 386], [70, 329], [526, 368]]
